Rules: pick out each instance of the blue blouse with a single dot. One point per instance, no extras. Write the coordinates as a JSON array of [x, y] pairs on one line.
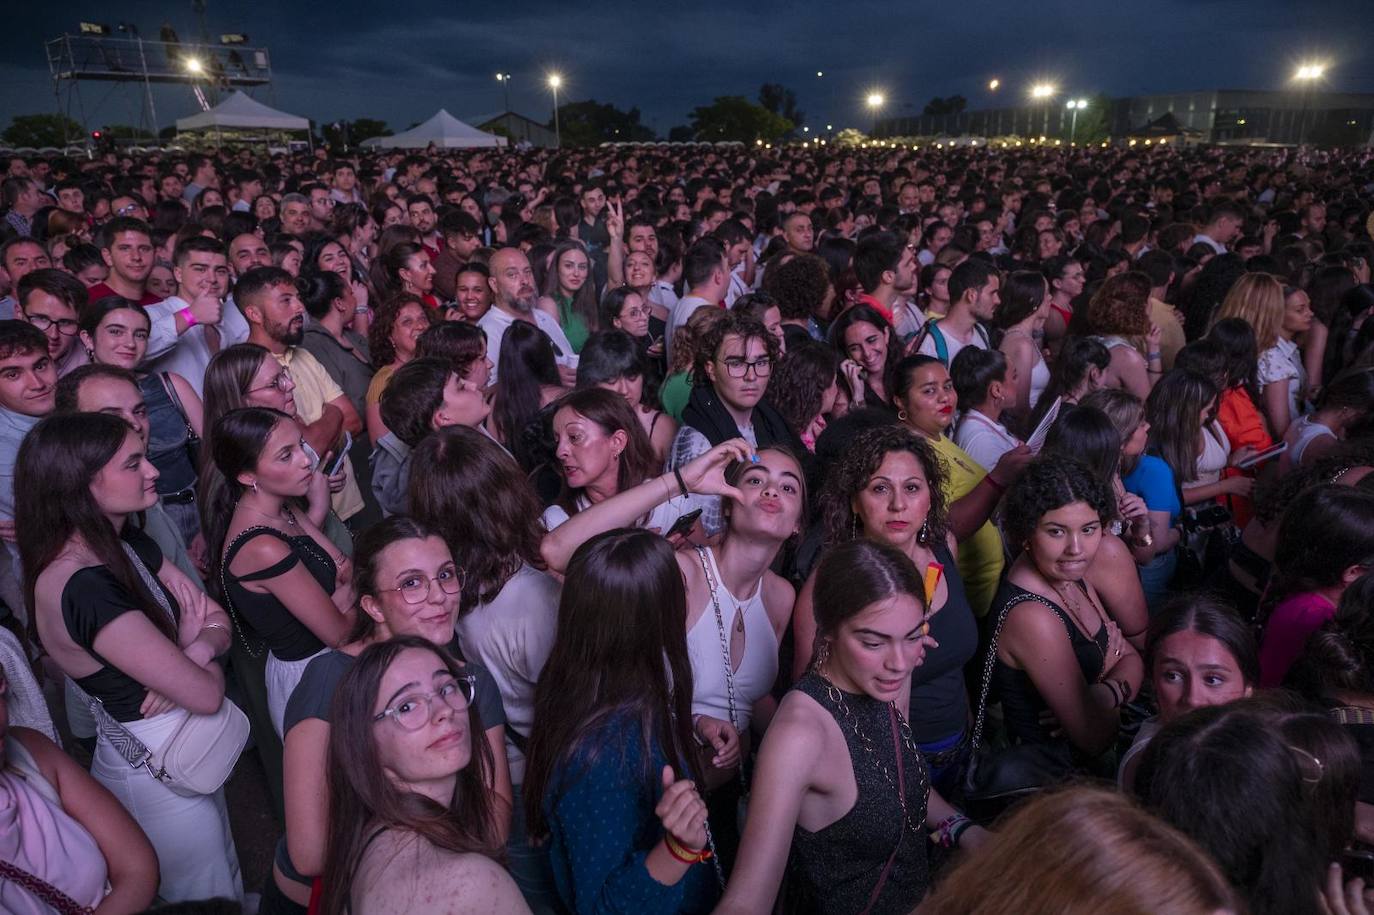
[[600, 810], [1153, 481]]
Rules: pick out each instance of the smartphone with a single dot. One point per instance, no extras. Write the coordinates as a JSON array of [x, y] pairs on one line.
[[1358, 863], [343, 455], [683, 525], [1264, 456]]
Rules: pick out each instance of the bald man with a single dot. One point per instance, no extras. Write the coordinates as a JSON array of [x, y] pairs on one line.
[[514, 299]]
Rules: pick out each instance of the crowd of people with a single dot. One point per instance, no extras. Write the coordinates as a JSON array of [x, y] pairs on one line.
[[690, 530]]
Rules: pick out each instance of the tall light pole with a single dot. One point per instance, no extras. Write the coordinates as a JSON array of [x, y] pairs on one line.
[[504, 80], [875, 101], [1042, 93], [1305, 76], [1075, 106], [555, 80]]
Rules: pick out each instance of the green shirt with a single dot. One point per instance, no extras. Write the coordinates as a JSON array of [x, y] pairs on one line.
[[674, 393], [573, 324]]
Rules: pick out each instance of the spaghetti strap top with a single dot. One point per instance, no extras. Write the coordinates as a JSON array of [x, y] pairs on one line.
[[264, 615], [758, 667]]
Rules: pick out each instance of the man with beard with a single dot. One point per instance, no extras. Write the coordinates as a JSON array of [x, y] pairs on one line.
[[512, 286], [276, 321]]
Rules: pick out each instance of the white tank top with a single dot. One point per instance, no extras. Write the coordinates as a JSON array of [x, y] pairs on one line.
[[758, 667]]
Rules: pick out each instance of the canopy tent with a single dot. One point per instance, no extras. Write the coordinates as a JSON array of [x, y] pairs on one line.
[[443, 131], [239, 112]]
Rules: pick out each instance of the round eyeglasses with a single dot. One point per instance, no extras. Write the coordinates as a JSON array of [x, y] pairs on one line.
[[415, 587], [414, 711]]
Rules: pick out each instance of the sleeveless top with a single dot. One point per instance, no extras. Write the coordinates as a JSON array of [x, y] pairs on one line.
[[1040, 372], [939, 698], [836, 869], [1303, 432], [1216, 452], [264, 617], [38, 836], [1021, 702], [166, 438], [758, 668]]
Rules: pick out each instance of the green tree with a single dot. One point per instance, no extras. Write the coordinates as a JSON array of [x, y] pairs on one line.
[[591, 122], [43, 130], [681, 134], [734, 117], [850, 136], [1093, 124], [781, 101]]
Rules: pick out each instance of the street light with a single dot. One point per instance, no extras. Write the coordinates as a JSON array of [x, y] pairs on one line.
[[1306, 75], [875, 101], [556, 80], [504, 80], [193, 65], [1075, 105], [1042, 91], [994, 85]]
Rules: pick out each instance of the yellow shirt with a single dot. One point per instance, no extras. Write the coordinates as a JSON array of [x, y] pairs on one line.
[[379, 383], [314, 389], [980, 557]]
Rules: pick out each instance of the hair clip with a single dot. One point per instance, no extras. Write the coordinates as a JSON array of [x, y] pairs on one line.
[[1308, 758]]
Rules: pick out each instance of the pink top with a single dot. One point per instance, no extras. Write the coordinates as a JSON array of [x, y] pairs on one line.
[[1286, 633], [38, 836]]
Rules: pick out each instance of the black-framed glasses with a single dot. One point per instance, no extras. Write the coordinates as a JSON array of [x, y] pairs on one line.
[[65, 326], [738, 368], [414, 588], [281, 381], [416, 710]]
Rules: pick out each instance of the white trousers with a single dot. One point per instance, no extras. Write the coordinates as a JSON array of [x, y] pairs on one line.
[[282, 678], [195, 849]]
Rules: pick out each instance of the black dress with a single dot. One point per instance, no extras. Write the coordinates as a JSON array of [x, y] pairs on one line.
[[834, 870]]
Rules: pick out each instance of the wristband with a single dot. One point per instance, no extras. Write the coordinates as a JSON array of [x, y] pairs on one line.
[[950, 829], [682, 853], [1155, 355], [681, 484], [189, 317]]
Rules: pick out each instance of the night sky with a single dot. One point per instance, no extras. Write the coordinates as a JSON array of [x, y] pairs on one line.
[[402, 61]]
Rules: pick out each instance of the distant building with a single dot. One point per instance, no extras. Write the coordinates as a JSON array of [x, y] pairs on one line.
[[1227, 116], [516, 127]]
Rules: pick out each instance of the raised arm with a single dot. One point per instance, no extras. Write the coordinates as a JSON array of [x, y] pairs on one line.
[[704, 475]]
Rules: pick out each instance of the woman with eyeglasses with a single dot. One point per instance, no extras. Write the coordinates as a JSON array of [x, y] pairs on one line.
[[411, 812], [407, 585], [114, 331]]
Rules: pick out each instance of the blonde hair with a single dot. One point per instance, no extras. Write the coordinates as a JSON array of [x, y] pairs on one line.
[[1083, 851], [1257, 299]]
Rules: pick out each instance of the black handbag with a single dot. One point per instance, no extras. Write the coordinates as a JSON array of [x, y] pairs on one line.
[[998, 777]]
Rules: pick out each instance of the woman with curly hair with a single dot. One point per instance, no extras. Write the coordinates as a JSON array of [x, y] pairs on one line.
[[889, 488], [804, 388], [1056, 649], [392, 337], [803, 291], [1119, 310]]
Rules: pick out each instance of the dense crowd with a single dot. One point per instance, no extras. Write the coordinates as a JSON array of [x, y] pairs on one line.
[[690, 530]]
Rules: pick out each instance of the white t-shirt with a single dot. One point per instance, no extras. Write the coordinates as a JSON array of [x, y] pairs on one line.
[[495, 322], [952, 344], [985, 439], [682, 309]]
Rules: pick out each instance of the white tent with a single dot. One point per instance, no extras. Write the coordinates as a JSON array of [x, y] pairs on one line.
[[239, 112], [443, 130]]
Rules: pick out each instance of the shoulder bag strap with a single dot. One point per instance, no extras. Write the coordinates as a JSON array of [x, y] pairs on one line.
[[224, 583], [724, 650], [172, 395], [50, 895], [901, 789], [991, 660]]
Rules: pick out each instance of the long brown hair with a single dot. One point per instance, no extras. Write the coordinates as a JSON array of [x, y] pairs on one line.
[[363, 799], [227, 379], [466, 488], [611, 413], [584, 300], [1107, 855], [611, 658], [53, 502]]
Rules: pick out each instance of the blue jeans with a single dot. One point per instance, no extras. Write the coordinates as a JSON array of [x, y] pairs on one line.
[[1155, 577], [529, 864]]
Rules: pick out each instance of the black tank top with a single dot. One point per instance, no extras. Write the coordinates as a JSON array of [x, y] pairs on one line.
[[835, 869], [939, 698], [262, 616], [1021, 701]]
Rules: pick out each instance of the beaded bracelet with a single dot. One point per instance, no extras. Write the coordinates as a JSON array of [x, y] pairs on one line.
[[950, 829]]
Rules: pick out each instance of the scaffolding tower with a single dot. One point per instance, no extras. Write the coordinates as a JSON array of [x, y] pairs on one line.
[[207, 69]]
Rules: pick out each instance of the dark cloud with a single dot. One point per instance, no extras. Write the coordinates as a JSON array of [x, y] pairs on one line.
[[400, 62]]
